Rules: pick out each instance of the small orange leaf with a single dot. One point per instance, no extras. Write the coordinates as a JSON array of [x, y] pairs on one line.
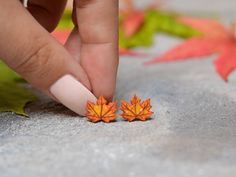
[[101, 111], [136, 109]]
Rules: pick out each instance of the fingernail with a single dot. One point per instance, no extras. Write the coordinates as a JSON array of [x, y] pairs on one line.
[[71, 93]]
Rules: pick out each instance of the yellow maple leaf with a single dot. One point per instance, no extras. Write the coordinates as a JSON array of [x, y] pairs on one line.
[[101, 110], [136, 109]]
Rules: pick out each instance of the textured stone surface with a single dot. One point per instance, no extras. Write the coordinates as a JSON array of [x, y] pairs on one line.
[[191, 134]]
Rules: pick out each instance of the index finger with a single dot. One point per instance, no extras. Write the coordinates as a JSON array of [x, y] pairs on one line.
[[98, 29]]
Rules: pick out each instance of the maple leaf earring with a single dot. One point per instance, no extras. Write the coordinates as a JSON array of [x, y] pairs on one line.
[[101, 111], [136, 109]]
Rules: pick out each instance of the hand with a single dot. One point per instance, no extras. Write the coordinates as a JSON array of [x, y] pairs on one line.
[[67, 73], [96, 24]]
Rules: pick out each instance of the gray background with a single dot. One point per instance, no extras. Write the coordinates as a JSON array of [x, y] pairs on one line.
[[191, 134]]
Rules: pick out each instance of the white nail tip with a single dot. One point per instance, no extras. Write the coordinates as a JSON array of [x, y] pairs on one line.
[[71, 93]]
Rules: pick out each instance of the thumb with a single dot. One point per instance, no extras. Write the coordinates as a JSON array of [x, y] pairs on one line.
[[31, 51]]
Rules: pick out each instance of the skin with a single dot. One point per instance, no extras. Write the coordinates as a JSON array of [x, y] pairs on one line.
[[90, 54]]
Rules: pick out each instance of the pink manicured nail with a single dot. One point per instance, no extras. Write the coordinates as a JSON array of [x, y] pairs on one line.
[[71, 93]]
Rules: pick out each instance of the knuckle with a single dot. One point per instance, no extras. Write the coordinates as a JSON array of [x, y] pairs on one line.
[[83, 3], [36, 61]]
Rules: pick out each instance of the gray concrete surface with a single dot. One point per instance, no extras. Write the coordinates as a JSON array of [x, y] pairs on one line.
[[191, 134]]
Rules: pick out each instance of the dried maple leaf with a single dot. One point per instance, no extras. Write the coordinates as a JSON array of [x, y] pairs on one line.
[[217, 39], [101, 110], [136, 109]]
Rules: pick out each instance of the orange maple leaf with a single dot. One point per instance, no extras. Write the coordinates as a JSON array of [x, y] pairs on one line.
[[136, 109], [101, 110]]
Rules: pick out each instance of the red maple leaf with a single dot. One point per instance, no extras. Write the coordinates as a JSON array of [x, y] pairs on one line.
[[132, 19], [217, 39], [61, 35], [132, 22]]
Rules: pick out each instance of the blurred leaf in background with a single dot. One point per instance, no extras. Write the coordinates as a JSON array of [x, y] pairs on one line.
[[13, 96], [156, 22]]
